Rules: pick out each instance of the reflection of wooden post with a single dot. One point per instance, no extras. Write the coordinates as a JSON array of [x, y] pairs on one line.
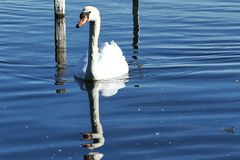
[[135, 12], [59, 7], [60, 51]]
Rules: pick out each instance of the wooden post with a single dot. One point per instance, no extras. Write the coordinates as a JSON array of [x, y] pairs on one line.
[[60, 41], [135, 12], [60, 51], [59, 8]]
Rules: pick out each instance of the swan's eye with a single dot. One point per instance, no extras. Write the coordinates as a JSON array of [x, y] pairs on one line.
[[81, 15], [84, 14]]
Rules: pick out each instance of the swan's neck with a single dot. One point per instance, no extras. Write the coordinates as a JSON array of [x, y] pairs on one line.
[[94, 30], [93, 54]]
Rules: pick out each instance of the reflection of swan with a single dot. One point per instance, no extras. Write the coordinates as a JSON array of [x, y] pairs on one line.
[[93, 156], [107, 88], [106, 62]]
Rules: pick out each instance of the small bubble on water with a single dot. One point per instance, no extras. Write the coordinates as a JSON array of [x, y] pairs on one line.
[[5, 106], [157, 133], [53, 156]]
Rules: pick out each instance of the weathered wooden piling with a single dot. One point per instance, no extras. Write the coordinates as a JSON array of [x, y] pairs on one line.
[[60, 52], [60, 41], [59, 8], [135, 12]]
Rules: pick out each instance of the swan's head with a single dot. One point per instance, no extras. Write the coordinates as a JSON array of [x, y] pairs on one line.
[[89, 13]]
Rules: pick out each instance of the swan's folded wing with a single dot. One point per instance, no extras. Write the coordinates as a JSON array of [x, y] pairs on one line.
[[111, 53]]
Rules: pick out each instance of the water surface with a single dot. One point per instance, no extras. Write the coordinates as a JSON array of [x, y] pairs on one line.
[[181, 99]]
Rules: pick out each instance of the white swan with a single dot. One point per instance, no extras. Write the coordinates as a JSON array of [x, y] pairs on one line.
[[104, 63]]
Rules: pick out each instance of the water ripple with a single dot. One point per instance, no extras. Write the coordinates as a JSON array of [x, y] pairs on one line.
[[181, 100]]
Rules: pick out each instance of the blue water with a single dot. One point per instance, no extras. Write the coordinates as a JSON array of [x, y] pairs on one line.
[[181, 100]]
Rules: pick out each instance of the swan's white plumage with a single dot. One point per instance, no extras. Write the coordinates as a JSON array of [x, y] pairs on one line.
[[111, 63], [108, 62]]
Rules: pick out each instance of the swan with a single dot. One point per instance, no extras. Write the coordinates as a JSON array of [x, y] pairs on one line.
[[105, 63]]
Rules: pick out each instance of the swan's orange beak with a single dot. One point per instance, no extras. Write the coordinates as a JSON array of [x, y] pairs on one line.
[[82, 22]]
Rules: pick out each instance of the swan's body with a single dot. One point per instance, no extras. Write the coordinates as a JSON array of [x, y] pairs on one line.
[[104, 63]]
